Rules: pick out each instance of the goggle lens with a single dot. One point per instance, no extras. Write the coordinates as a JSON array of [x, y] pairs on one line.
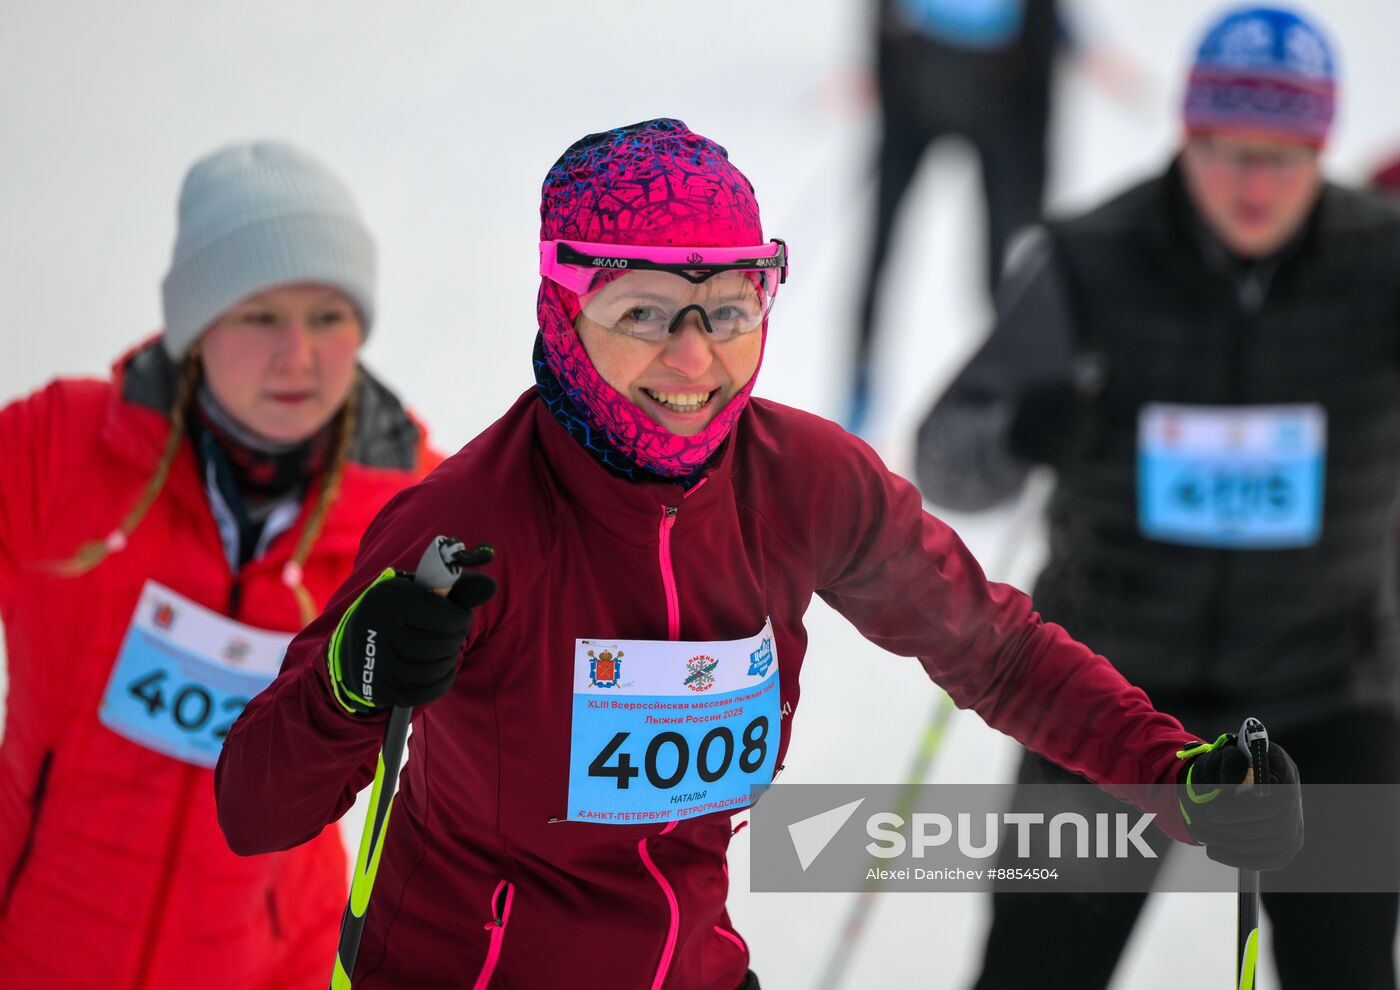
[[652, 305], [650, 293]]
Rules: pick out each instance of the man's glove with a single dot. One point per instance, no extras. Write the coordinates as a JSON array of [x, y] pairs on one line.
[[1237, 825], [398, 644], [1053, 416]]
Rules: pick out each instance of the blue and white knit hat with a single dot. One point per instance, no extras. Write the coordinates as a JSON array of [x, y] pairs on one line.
[[1266, 71], [253, 216]]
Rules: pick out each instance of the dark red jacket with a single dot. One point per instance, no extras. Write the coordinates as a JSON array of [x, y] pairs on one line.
[[113, 872], [795, 507]]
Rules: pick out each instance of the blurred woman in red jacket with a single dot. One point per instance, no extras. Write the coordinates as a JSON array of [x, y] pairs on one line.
[[163, 533]]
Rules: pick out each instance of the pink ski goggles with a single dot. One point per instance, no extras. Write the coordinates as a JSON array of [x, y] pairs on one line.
[[647, 292]]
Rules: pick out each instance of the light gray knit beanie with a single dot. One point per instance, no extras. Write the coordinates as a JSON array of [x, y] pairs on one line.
[[253, 216]]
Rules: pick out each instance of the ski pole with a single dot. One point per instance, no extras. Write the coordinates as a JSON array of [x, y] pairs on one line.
[[1037, 492], [1254, 742], [851, 932], [438, 570]]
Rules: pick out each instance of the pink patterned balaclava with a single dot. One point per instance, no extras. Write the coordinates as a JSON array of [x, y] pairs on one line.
[[655, 184]]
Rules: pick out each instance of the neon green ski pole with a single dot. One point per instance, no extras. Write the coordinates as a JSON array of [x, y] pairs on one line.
[[1254, 741], [439, 569]]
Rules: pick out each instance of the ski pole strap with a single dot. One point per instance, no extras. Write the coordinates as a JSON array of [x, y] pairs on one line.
[[1225, 739]]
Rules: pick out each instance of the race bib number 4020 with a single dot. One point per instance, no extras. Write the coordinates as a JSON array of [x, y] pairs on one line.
[[664, 731], [184, 674]]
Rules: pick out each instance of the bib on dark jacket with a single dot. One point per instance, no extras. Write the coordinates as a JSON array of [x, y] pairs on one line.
[[1320, 328]]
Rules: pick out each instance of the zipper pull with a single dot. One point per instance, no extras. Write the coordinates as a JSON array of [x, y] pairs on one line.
[[497, 915], [672, 511]]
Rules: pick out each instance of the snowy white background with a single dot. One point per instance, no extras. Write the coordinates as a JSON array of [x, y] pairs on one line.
[[443, 117]]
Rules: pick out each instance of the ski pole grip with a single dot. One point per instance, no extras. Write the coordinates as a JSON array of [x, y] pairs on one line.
[[1254, 743], [440, 565]]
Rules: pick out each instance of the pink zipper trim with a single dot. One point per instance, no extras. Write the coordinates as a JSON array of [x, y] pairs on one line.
[[497, 927], [673, 632], [670, 948], [734, 937], [668, 576]]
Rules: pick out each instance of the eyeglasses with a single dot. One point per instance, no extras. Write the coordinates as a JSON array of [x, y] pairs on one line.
[[1284, 159], [647, 293]]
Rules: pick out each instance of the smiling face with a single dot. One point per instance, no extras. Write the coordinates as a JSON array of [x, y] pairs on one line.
[[681, 381], [282, 362], [1254, 193]]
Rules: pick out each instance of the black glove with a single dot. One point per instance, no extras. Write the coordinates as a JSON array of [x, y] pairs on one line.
[[1054, 417], [399, 642], [1240, 827]]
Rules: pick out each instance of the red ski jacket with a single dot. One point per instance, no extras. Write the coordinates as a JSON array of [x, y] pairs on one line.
[[481, 882], [113, 872]]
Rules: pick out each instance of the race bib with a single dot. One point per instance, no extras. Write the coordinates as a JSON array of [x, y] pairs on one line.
[[184, 674], [665, 731], [1233, 477], [977, 24]]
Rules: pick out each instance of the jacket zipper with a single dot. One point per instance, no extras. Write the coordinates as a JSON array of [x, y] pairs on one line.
[[168, 868], [500, 917], [668, 572], [669, 949], [673, 632], [274, 917], [1250, 295], [36, 804], [668, 575], [188, 780]]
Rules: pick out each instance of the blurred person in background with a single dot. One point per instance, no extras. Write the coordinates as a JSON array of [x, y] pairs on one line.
[[1385, 180], [163, 533], [977, 69], [640, 495], [1210, 363]]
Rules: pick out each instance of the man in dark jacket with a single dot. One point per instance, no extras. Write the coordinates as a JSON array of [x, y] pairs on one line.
[[1211, 364]]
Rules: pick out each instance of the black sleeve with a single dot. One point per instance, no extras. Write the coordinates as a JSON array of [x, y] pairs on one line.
[[962, 460]]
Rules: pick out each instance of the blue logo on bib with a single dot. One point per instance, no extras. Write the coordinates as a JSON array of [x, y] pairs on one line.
[[761, 659]]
